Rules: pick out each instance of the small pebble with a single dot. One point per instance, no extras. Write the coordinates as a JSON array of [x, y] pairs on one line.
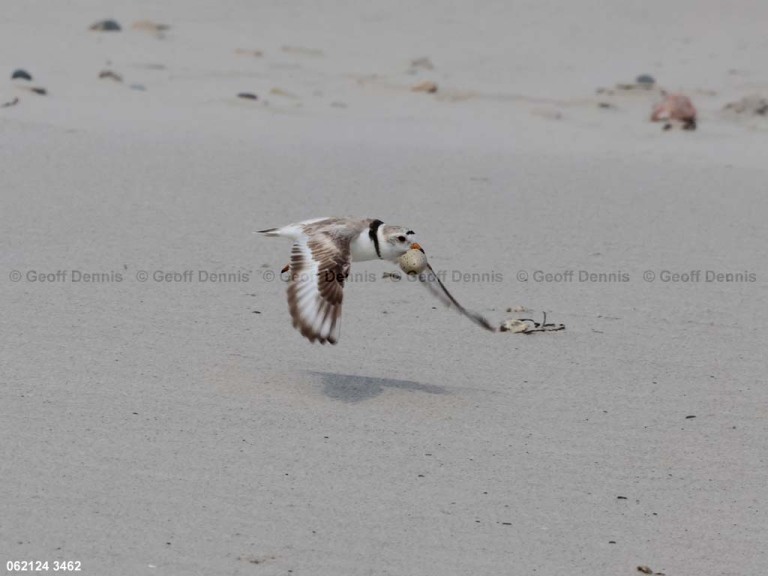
[[106, 26], [284, 93], [427, 86], [20, 74], [248, 96], [111, 75], [151, 27], [645, 80]]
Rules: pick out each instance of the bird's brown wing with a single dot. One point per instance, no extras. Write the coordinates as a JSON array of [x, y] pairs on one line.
[[319, 267]]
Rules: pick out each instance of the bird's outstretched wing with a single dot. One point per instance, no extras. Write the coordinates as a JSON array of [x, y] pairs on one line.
[[432, 282], [319, 266]]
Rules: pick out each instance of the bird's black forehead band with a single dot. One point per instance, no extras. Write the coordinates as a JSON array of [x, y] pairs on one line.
[[410, 232]]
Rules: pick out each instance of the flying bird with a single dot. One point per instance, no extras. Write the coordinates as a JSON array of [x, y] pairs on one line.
[[321, 256]]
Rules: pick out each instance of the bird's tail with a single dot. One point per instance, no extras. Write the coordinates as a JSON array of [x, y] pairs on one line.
[[270, 232]]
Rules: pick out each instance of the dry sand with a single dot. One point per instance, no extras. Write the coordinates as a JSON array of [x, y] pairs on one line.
[[185, 428]]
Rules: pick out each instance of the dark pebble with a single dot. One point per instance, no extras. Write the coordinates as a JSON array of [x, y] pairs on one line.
[[611, 541], [689, 417], [248, 96], [41, 91], [111, 75], [106, 26], [645, 80], [621, 497], [20, 74]]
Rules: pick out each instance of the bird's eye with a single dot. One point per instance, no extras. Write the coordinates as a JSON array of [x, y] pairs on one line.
[[401, 238]]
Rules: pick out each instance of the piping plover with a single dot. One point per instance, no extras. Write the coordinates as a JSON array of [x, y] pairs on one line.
[[323, 250]]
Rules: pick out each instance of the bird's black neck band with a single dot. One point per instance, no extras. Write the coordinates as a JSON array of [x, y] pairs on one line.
[[373, 234]]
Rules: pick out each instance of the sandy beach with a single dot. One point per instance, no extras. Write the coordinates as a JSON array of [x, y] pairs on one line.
[[160, 415]]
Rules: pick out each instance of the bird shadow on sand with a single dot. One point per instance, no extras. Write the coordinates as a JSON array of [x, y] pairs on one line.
[[351, 388]]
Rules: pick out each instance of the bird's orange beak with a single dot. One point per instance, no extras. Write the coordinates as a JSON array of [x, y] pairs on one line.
[[417, 246]]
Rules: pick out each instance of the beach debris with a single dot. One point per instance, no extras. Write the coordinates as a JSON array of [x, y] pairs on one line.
[[644, 570], [138, 87], [255, 559], [109, 74], [413, 262], [514, 326], [528, 326], [151, 27], [247, 96], [301, 51], [422, 63], [753, 105], [427, 86], [9, 103], [105, 26], [517, 309], [36, 90], [21, 74], [675, 108], [645, 81], [642, 82], [606, 105], [251, 53], [283, 93]]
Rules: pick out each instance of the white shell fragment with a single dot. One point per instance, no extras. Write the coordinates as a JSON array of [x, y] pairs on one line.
[[527, 326], [515, 326], [413, 262]]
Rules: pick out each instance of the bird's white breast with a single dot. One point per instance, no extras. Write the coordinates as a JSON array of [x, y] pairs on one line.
[[362, 248]]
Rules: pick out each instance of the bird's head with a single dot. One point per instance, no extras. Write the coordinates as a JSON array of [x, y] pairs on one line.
[[397, 240]]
